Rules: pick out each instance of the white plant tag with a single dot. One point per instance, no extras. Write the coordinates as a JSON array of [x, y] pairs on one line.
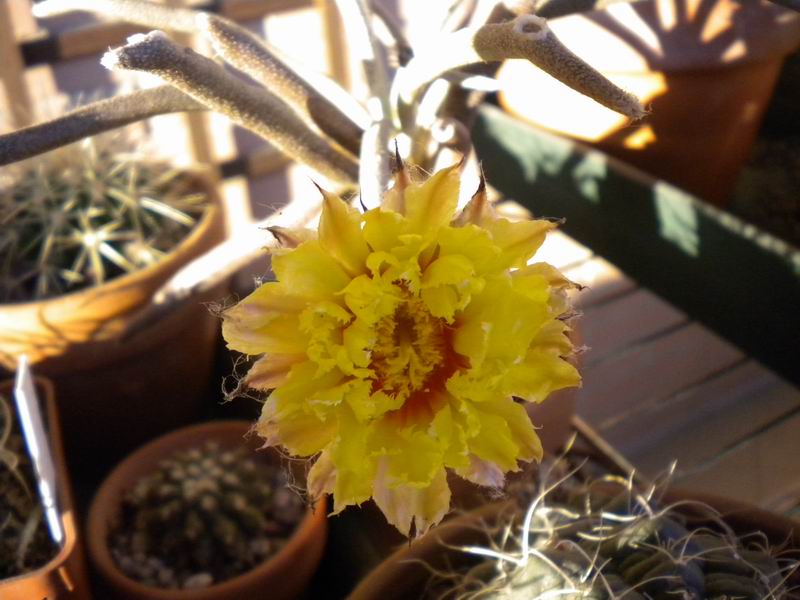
[[32, 424]]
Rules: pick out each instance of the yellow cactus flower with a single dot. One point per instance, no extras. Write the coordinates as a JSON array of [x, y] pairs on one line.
[[396, 341]]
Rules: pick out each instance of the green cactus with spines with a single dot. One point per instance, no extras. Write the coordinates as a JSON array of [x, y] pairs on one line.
[[83, 214], [205, 515], [610, 542]]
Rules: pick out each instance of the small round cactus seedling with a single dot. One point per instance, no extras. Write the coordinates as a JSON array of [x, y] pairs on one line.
[[205, 515]]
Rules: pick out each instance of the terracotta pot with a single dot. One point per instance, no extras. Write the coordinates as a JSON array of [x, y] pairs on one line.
[[114, 395], [64, 577], [282, 577], [705, 68], [406, 572]]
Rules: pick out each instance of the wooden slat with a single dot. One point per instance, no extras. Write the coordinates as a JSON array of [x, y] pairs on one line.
[[764, 471], [603, 282], [201, 146], [335, 42], [44, 47], [248, 10], [17, 96], [610, 328], [652, 370], [697, 424]]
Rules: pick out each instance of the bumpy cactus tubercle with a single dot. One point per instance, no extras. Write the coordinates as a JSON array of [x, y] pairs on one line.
[[206, 515]]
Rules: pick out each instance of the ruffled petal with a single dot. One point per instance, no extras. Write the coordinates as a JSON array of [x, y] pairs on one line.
[[404, 504], [322, 476], [354, 461], [482, 472], [340, 234], [272, 370], [278, 336], [506, 434], [451, 437], [430, 205], [518, 241], [301, 433], [368, 405], [448, 285], [311, 272], [522, 431], [323, 323], [412, 455], [305, 383], [263, 320], [541, 373], [383, 228]]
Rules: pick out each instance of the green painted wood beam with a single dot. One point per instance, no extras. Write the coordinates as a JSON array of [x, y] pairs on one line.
[[726, 273]]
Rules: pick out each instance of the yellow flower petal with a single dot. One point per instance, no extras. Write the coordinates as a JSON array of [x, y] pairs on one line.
[[322, 476], [522, 431], [518, 241], [371, 299], [322, 323], [471, 242], [340, 234], [553, 337], [452, 269], [405, 504], [482, 472], [311, 271], [355, 464], [541, 373], [383, 228], [358, 339], [451, 437], [413, 456], [368, 405], [431, 204], [304, 383], [279, 336], [302, 433], [442, 301], [272, 370], [496, 442]]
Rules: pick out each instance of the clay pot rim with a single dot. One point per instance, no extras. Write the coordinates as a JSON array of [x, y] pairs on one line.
[[106, 501], [46, 392], [201, 178]]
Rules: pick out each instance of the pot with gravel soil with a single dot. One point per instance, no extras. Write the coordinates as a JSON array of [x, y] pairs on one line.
[[199, 514], [32, 563]]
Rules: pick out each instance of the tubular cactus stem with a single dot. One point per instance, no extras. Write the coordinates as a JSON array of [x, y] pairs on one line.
[[251, 55], [527, 37], [92, 119], [252, 107]]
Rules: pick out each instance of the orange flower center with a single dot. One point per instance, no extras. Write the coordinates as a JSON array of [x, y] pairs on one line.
[[413, 358]]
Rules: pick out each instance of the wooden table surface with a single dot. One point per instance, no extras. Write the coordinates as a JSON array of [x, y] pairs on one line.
[[661, 387]]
